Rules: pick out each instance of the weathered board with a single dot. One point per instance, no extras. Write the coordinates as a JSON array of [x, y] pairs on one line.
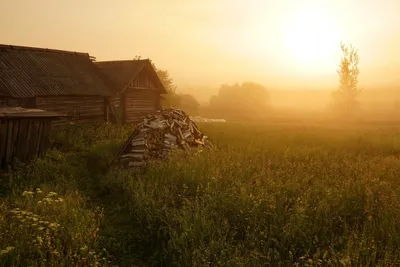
[[80, 109], [138, 103], [24, 136]]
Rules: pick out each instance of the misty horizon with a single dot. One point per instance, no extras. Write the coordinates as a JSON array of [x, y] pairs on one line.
[[221, 43]]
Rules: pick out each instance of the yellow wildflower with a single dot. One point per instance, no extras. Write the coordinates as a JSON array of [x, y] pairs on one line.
[[39, 240], [5, 251], [54, 225]]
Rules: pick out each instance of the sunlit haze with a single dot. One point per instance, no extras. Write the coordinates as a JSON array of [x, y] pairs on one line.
[[281, 44]]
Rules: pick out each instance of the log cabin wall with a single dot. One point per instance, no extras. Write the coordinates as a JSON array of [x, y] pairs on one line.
[[54, 80], [140, 102], [17, 102], [138, 88], [80, 109]]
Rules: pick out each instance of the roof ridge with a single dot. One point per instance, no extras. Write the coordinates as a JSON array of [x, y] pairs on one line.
[[29, 48], [123, 60]]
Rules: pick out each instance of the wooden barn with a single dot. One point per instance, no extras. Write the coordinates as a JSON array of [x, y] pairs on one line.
[[54, 80], [138, 88]]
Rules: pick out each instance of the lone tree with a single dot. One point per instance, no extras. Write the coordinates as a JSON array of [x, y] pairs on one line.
[[346, 96]]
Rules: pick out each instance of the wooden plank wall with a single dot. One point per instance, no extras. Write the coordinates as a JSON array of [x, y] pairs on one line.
[[81, 109], [140, 102], [23, 139], [116, 107], [143, 80], [17, 102]]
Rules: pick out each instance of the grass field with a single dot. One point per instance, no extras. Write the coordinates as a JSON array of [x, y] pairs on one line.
[[266, 195]]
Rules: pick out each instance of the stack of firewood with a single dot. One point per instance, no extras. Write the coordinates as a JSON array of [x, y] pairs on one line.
[[157, 134]]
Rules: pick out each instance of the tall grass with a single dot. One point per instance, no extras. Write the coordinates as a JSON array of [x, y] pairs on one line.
[[46, 216], [278, 196], [266, 195]]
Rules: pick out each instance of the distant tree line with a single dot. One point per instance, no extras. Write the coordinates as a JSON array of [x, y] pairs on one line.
[[240, 101], [250, 100]]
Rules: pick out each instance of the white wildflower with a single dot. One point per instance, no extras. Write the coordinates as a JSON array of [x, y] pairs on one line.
[[27, 193], [52, 194]]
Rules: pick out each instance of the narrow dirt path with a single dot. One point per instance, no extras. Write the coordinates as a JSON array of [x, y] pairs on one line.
[[117, 232]]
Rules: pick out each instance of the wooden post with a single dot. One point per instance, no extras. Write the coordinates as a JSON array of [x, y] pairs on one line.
[[107, 108], [123, 108]]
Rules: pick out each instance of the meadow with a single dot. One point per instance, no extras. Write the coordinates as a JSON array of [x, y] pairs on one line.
[[264, 195]]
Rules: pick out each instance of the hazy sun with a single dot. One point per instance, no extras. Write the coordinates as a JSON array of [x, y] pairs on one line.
[[311, 38]]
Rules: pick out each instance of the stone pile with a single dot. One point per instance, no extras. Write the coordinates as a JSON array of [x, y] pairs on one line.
[[157, 134]]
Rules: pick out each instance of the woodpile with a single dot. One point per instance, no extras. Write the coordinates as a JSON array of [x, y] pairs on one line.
[[157, 135]]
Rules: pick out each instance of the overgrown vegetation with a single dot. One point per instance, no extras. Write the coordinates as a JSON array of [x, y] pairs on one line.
[[267, 195]]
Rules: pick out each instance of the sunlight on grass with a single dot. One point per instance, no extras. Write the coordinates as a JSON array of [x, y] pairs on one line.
[[281, 195]]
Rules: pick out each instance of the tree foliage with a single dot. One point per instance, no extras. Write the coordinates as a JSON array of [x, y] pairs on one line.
[[189, 104], [346, 95], [248, 99]]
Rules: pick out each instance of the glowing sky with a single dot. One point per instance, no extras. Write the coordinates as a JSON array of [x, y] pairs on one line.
[[283, 43]]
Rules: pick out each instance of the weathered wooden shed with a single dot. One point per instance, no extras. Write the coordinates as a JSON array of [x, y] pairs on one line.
[[138, 88], [24, 134], [53, 80]]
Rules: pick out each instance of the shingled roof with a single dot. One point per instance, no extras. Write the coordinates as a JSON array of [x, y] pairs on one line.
[[123, 71], [28, 72]]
